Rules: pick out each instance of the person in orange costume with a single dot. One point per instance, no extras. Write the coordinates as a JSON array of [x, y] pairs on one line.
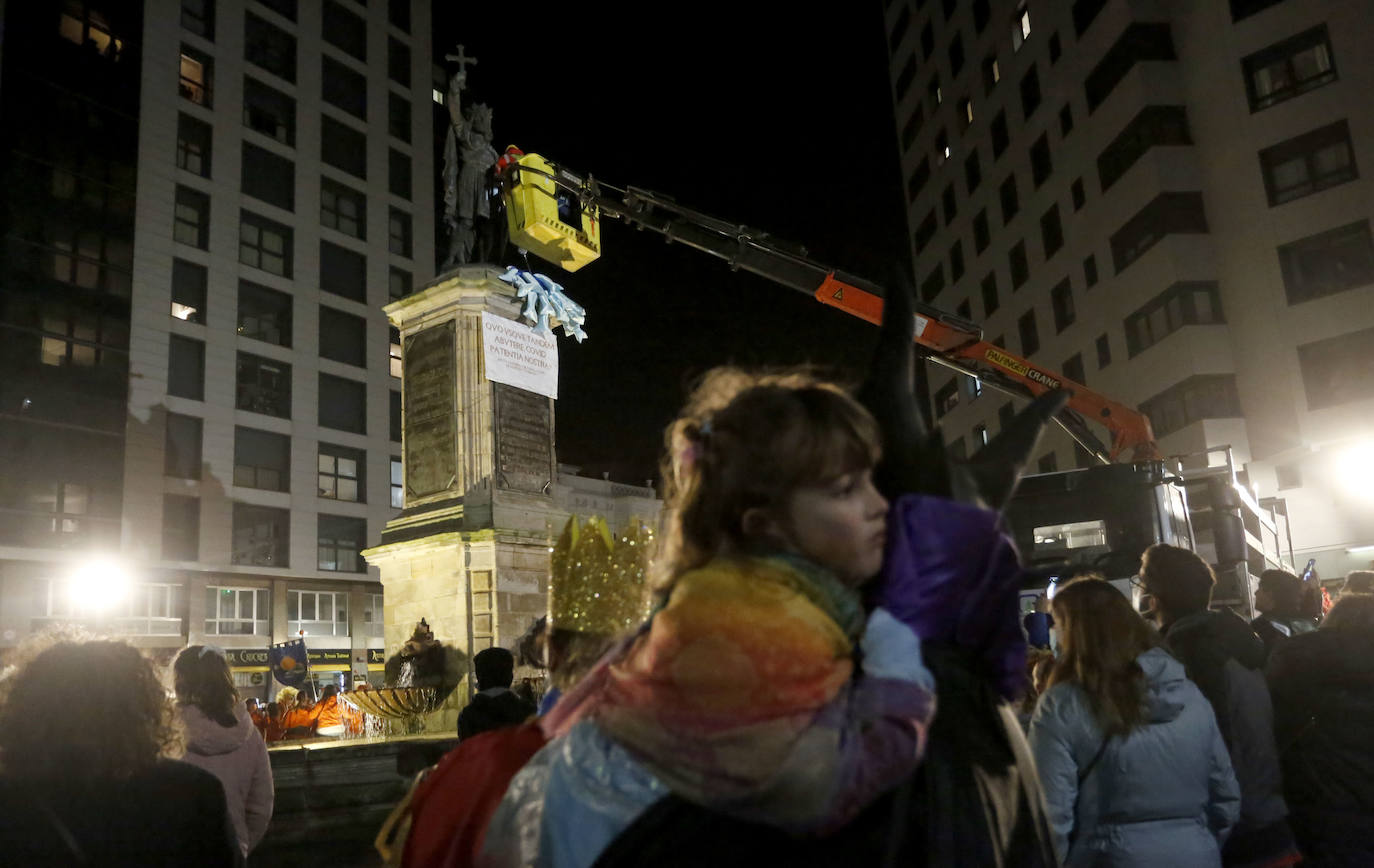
[[298, 712], [327, 712]]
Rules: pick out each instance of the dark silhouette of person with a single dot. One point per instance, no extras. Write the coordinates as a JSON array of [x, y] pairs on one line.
[[495, 704]]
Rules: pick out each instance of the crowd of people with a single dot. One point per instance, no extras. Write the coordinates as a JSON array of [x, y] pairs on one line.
[[829, 675]]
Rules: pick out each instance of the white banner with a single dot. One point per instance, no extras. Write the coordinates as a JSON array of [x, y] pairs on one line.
[[518, 356]]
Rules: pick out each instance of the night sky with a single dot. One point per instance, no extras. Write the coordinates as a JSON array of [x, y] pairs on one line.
[[781, 124]]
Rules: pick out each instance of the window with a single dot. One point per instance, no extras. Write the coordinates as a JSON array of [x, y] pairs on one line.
[[1202, 396], [1020, 267], [284, 8], [398, 116], [343, 147], [917, 182], [989, 287], [912, 128], [343, 404], [398, 496], [344, 88], [264, 244], [946, 399], [398, 61], [1020, 28], [1090, 271], [992, 73], [933, 284], [180, 528], [1061, 298], [399, 283], [343, 337], [198, 16], [398, 13], [343, 29], [1051, 231], [1065, 120], [343, 208], [1084, 11], [1104, 351], [261, 537], [341, 473], [905, 77], [188, 291], [1141, 41], [191, 219], [317, 613], [268, 177], [1338, 370], [1292, 67], [927, 41], [1308, 163], [925, 231], [268, 111], [399, 241], [980, 436], [1184, 303], [1245, 8], [1030, 93], [956, 55], [1055, 48], [966, 112], [263, 386], [398, 173], [1000, 138], [1167, 214], [197, 76], [982, 13], [1047, 464], [899, 29], [956, 261], [181, 447], [1288, 476], [193, 145], [1030, 335], [238, 611], [1041, 167], [1005, 415], [965, 309], [949, 204], [395, 416], [340, 540], [261, 459], [1154, 125], [982, 235], [186, 368], [264, 314], [269, 47], [1010, 203], [394, 351], [1328, 262], [1073, 369], [1077, 194], [973, 173], [942, 149], [343, 271]]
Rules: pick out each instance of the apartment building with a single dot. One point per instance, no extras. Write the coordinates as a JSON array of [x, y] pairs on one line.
[[1161, 201], [210, 201]]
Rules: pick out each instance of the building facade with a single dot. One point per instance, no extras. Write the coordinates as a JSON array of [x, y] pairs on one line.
[[210, 202], [1161, 201]]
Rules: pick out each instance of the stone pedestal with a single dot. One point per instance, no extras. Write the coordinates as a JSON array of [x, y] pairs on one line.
[[469, 551]]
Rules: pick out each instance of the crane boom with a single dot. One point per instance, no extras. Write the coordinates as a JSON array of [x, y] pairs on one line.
[[948, 340]]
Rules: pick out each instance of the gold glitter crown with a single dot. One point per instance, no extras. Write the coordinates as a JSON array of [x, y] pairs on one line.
[[598, 582]]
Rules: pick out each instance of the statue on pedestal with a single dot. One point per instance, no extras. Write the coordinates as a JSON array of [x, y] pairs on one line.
[[468, 160]]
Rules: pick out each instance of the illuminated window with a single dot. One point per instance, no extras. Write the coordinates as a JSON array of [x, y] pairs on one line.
[[398, 499], [197, 82], [87, 27], [237, 611], [1020, 28], [317, 613], [395, 352], [188, 291]]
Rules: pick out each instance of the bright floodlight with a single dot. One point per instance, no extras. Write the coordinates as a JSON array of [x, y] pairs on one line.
[[98, 584], [1356, 468]]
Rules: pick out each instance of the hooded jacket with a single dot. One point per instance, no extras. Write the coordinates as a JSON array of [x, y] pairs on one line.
[[1323, 688], [237, 756], [1163, 795]]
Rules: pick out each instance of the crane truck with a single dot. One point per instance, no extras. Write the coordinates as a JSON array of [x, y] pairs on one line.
[[1096, 518]]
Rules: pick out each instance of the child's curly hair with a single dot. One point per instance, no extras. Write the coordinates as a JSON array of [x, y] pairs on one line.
[[42, 737], [747, 440]]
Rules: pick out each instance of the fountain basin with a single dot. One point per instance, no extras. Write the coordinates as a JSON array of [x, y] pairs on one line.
[[393, 703]]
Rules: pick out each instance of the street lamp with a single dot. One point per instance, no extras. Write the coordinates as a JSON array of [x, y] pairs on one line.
[[98, 584], [1355, 465]]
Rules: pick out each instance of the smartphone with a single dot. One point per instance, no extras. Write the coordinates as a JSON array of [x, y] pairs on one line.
[[1307, 573]]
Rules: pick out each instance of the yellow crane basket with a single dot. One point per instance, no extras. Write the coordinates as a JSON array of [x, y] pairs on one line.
[[547, 220]]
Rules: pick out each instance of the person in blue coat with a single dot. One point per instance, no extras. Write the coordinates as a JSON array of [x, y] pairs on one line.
[[1134, 769]]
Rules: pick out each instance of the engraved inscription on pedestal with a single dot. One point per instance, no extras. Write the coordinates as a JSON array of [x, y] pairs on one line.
[[431, 460], [524, 440]]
